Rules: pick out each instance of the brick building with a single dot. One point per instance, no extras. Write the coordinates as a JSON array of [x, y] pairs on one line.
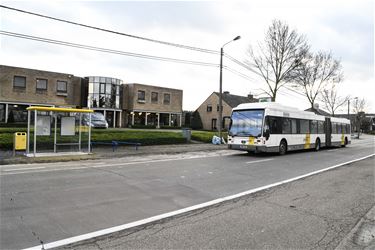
[[152, 105], [104, 95], [21, 88], [209, 109], [121, 104]]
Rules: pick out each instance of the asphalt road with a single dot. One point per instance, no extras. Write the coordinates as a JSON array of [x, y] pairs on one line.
[[49, 202], [316, 212]]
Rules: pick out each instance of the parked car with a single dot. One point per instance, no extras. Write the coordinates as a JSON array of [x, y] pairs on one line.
[[97, 120]]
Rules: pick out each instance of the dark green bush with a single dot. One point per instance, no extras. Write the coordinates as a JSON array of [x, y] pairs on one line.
[[169, 127], [143, 126], [156, 137]]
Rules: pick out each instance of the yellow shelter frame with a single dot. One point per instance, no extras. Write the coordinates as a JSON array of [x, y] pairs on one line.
[[35, 109]]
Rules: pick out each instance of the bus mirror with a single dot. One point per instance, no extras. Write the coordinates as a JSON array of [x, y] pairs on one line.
[[267, 133]]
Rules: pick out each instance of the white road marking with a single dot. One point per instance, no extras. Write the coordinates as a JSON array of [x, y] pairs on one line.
[[110, 230], [63, 168], [20, 169], [332, 150], [43, 171], [249, 162]]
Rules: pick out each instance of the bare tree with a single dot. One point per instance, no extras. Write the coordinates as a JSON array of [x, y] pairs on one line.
[[314, 74], [332, 101], [359, 107], [281, 52]]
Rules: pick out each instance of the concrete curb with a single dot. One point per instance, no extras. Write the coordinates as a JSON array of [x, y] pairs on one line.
[[362, 236], [105, 153]]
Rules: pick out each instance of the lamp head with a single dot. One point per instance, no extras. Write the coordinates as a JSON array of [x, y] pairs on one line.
[[237, 38]]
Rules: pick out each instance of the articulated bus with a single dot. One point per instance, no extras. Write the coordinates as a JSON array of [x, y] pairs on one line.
[[271, 127]]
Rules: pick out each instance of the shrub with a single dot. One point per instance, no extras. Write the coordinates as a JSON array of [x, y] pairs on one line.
[[156, 137], [205, 136], [196, 121], [143, 126], [169, 127]]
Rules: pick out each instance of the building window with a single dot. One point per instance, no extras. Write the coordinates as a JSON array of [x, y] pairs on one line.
[[41, 84], [2, 112], [209, 108], [19, 82], [141, 96], [62, 87], [167, 98], [213, 124], [154, 97], [102, 88], [217, 108]]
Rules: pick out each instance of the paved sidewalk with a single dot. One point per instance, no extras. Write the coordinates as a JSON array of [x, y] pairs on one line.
[[103, 152], [362, 235]]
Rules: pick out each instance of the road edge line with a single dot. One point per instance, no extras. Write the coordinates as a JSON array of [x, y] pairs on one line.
[[114, 229]]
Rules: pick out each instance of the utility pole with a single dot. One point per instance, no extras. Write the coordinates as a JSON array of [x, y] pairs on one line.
[[220, 118]]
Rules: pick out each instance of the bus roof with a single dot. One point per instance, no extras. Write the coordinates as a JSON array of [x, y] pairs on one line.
[[281, 110], [341, 120], [264, 105]]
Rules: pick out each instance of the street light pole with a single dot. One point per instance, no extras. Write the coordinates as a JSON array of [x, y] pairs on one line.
[[221, 92], [348, 109], [221, 86], [355, 98]]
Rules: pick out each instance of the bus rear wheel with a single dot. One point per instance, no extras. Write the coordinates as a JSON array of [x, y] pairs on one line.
[[345, 143], [282, 147], [317, 145]]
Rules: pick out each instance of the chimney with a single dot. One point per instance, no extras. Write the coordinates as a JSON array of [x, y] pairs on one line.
[[226, 92]]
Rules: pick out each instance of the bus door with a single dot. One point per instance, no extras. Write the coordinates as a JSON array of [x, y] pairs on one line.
[[328, 131]]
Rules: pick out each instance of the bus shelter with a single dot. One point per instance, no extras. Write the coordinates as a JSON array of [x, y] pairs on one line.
[[57, 131]]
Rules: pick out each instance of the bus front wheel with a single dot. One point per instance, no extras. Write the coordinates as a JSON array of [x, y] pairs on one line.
[[282, 147]]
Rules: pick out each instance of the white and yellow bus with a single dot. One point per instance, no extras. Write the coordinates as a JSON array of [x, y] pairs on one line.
[[271, 127]]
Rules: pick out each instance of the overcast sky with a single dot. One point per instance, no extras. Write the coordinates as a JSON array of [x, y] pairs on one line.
[[346, 28]]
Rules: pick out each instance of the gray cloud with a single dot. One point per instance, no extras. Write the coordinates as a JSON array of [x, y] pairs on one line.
[[180, 15]]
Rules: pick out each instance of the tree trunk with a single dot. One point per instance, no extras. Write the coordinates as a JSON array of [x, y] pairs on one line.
[[273, 98]]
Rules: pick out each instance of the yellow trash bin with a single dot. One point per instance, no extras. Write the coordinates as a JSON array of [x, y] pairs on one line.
[[20, 141]]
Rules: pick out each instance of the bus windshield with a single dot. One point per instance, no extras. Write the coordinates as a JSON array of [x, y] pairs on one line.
[[246, 123]]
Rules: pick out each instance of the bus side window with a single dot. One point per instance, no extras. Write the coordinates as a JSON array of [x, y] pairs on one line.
[[298, 126], [304, 126], [334, 128], [314, 127], [320, 127], [275, 125], [294, 126], [339, 130], [286, 126]]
